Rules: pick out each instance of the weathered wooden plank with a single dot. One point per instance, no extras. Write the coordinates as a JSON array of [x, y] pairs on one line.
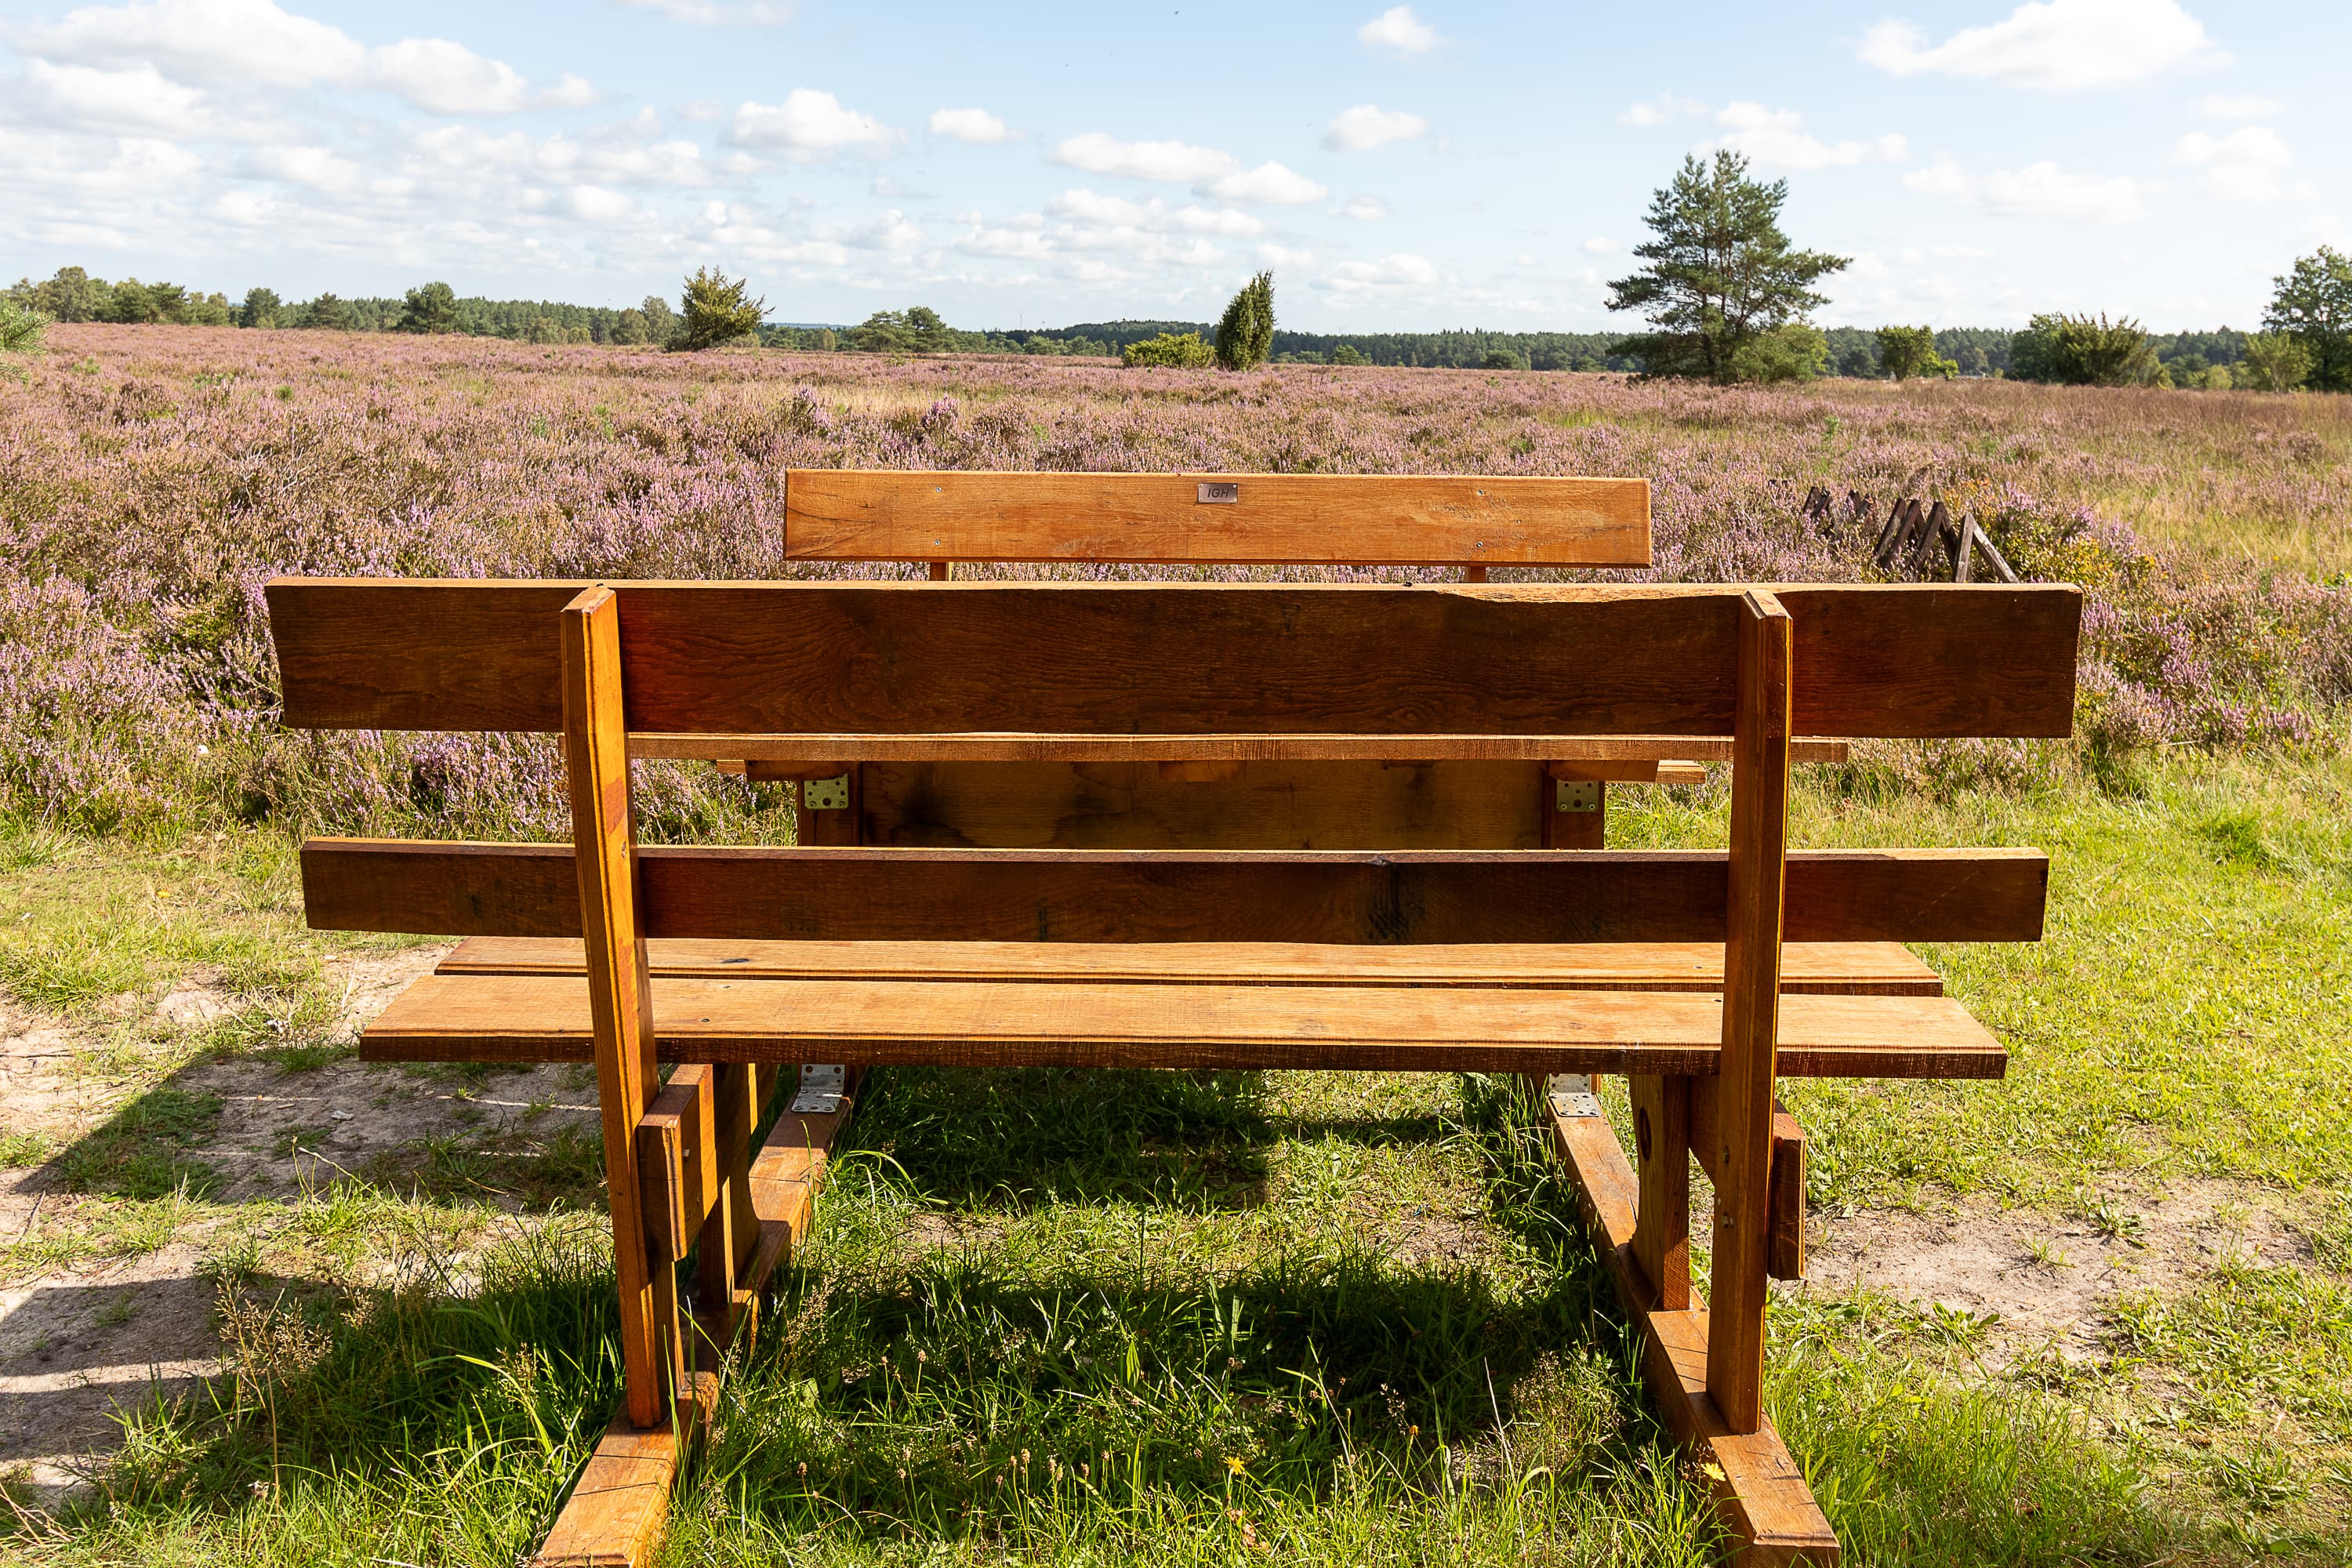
[[544, 1018], [615, 1516], [604, 894], [778, 757], [1750, 1017], [849, 514], [1363, 898], [1662, 1152], [679, 1132], [1844, 968], [1759, 1490], [1179, 659], [1136, 805]]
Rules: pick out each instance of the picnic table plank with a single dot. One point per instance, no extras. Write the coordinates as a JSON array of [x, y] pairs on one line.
[[1425, 519], [1918, 661], [543, 1017], [1855, 968], [1365, 897]]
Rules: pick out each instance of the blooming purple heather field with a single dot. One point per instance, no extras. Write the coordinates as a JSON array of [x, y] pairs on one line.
[[152, 479]]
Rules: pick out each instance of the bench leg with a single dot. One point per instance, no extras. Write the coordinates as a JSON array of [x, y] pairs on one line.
[[731, 1234], [1662, 1124], [604, 838], [1760, 1493]]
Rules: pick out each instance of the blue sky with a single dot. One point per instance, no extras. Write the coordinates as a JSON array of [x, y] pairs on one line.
[[1408, 167]]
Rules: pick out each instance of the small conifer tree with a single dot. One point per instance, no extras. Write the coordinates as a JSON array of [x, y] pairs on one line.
[[715, 311], [1246, 331]]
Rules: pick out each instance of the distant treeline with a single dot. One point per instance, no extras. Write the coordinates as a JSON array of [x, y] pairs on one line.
[[73, 295]]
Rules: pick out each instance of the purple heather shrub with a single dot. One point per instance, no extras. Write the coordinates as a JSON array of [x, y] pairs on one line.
[[145, 504]]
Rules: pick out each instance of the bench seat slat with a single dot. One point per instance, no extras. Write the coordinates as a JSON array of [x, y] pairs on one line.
[[483, 1017], [1828, 968]]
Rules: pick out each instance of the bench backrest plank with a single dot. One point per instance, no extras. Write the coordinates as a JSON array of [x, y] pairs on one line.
[[1909, 661], [836, 514], [1015, 895]]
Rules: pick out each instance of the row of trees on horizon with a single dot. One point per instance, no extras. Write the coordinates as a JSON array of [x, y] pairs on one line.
[[1727, 298]]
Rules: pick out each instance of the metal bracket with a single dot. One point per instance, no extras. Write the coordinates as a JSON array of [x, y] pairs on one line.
[[826, 794], [820, 1088], [1571, 1094], [1221, 495], [1576, 794]]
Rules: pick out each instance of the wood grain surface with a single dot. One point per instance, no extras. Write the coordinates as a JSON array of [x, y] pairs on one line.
[[1347, 897], [1372, 520], [798, 756], [485, 1018], [1829, 968], [1178, 659]]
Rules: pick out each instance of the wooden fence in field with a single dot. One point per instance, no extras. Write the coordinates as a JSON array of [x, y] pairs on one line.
[[1917, 542]]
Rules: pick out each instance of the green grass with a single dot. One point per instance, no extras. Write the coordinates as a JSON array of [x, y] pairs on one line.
[[1289, 1317]]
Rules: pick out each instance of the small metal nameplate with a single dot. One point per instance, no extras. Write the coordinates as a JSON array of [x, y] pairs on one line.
[[1571, 1094], [1578, 794], [1221, 495], [826, 794], [822, 1086]]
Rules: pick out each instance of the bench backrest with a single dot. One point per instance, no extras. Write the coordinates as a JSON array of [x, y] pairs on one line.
[[1425, 669], [1283, 519]]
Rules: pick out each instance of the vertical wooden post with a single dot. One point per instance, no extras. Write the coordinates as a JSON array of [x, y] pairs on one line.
[[1474, 573], [731, 1234], [604, 840], [1751, 1008], [942, 571], [1662, 1126]]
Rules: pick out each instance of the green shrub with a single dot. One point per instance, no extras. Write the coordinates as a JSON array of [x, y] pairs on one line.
[[1169, 351], [2084, 351], [20, 328]]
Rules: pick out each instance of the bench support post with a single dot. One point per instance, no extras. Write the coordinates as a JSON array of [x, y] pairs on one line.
[[604, 840], [1661, 1128], [1751, 1010], [1760, 1495]]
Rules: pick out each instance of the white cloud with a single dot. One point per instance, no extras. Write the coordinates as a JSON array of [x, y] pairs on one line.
[[1363, 209], [1665, 107], [2058, 46], [1268, 184], [811, 126], [2242, 106], [256, 42], [596, 204], [1777, 139], [140, 101], [1397, 31], [2038, 190], [202, 40], [315, 167], [1283, 256], [1400, 270], [891, 231], [703, 13], [450, 78], [2248, 164], [1177, 162], [1601, 246], [976, 126], [1093, 207], [1368, 125]]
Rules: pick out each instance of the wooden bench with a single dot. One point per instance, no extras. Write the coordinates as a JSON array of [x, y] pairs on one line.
[[662, 668]]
